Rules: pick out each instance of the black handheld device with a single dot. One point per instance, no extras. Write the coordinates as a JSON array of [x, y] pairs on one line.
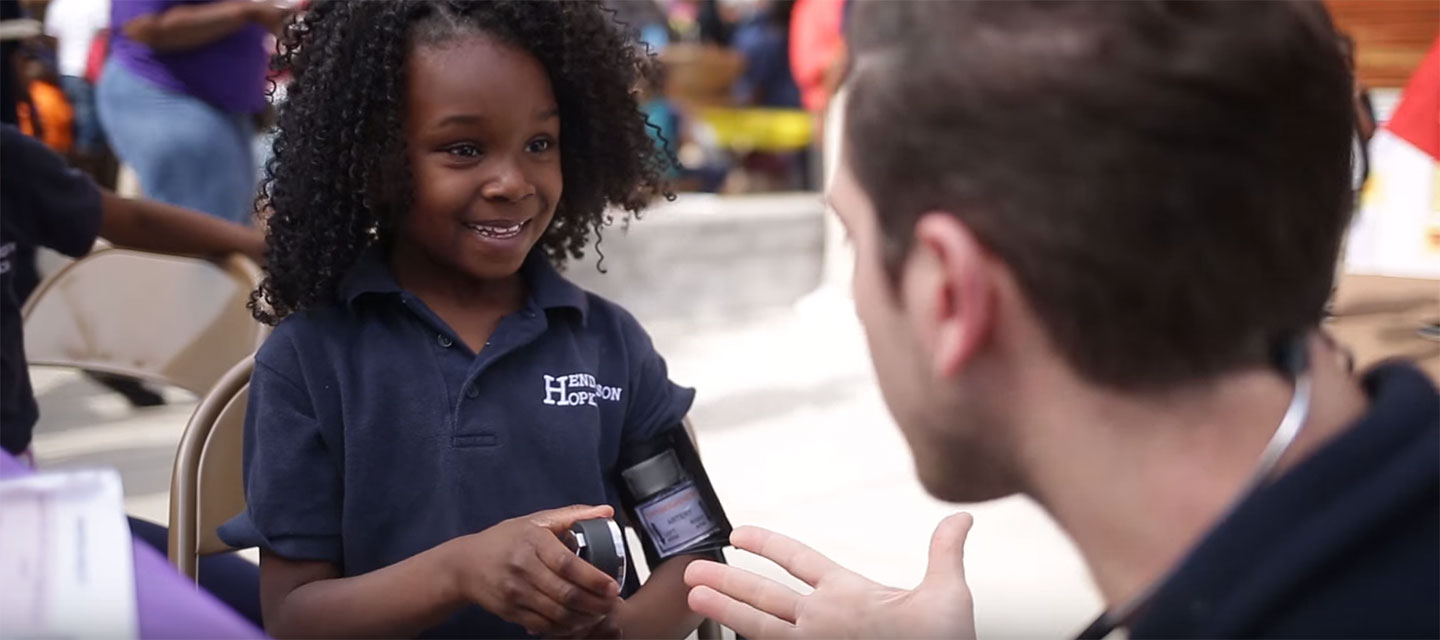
[[601, 543], [668, 498]]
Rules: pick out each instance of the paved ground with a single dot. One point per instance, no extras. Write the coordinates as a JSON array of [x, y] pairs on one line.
[[792, 429]]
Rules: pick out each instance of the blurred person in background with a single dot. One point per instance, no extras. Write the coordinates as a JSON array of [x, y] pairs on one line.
[[649, 25], [44, 203], [180, 94], [15, 98], [47, 204], [75, 26], [817, 50], [1093, 246], [47, 115], [763, 38], [17, 28], [817, 64], [37, 105], [714, 23]]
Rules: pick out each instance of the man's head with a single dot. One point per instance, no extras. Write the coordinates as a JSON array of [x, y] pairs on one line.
[[1157, 188]]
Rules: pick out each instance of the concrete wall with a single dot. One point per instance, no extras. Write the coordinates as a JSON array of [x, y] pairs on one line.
[[710, 258]]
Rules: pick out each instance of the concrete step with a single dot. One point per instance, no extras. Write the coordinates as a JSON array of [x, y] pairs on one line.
[[710, 258]]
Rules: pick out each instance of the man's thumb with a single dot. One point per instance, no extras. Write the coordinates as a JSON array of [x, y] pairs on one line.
[[947, 551], [560, 520]]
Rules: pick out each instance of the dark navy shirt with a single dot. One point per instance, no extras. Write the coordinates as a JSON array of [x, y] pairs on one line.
[[43, 203], [373, 433], [1344, 545]]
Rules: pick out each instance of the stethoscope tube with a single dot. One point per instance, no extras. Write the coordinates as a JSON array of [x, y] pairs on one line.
[[1295, 361]]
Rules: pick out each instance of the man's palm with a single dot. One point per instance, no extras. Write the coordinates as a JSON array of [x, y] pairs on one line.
[[844, 603]]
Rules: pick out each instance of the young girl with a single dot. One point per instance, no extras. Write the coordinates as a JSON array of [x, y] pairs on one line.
[[437, 403]]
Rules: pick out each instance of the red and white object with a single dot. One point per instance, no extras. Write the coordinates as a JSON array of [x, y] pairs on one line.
[[1397, 229]]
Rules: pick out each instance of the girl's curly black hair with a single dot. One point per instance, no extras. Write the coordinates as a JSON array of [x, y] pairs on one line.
[[339, 181]]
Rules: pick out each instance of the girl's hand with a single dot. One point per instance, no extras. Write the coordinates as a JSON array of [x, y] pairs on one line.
[[608, 628], [520, 571]]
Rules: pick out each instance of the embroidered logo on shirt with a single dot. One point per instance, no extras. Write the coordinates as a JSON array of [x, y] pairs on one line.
[[577, 389]]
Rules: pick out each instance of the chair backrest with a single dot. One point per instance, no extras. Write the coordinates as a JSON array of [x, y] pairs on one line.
[[167, 319], [207, 485]]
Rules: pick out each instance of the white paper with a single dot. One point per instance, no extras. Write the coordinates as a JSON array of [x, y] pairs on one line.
[[66, 561]]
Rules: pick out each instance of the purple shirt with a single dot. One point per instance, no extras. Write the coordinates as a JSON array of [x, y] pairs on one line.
[[228, 73]]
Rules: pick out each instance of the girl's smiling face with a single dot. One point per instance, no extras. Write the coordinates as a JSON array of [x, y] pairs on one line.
[[482, 128]]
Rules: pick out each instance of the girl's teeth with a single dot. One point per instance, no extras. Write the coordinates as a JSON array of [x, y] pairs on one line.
[[497, 232]]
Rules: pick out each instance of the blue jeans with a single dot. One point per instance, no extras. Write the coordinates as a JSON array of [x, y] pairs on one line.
[[184, 151], [89, 136]]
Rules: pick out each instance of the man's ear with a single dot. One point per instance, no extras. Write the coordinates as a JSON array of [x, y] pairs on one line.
[[949, 291]]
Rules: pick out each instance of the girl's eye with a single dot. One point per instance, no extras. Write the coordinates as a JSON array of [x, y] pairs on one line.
[[463, 150], [540, 145]]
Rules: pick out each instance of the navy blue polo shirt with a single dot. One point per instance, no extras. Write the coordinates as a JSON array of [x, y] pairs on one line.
[[373, 433], [43, 203]]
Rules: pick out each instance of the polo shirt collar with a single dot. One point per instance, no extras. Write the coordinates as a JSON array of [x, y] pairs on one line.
[[369, 274], [548, 289]]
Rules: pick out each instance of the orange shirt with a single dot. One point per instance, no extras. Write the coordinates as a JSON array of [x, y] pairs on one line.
[[56, 115]]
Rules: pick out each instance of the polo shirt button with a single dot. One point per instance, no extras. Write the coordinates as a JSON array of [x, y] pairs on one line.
[[444, 340], [472, 391]]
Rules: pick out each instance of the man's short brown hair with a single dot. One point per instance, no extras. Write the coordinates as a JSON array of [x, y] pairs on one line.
[[1169, 181]]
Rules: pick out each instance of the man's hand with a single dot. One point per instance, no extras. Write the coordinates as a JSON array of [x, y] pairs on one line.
[[844, 604]]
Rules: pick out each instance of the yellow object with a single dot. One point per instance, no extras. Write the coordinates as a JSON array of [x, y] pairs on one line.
[[773, 130]]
